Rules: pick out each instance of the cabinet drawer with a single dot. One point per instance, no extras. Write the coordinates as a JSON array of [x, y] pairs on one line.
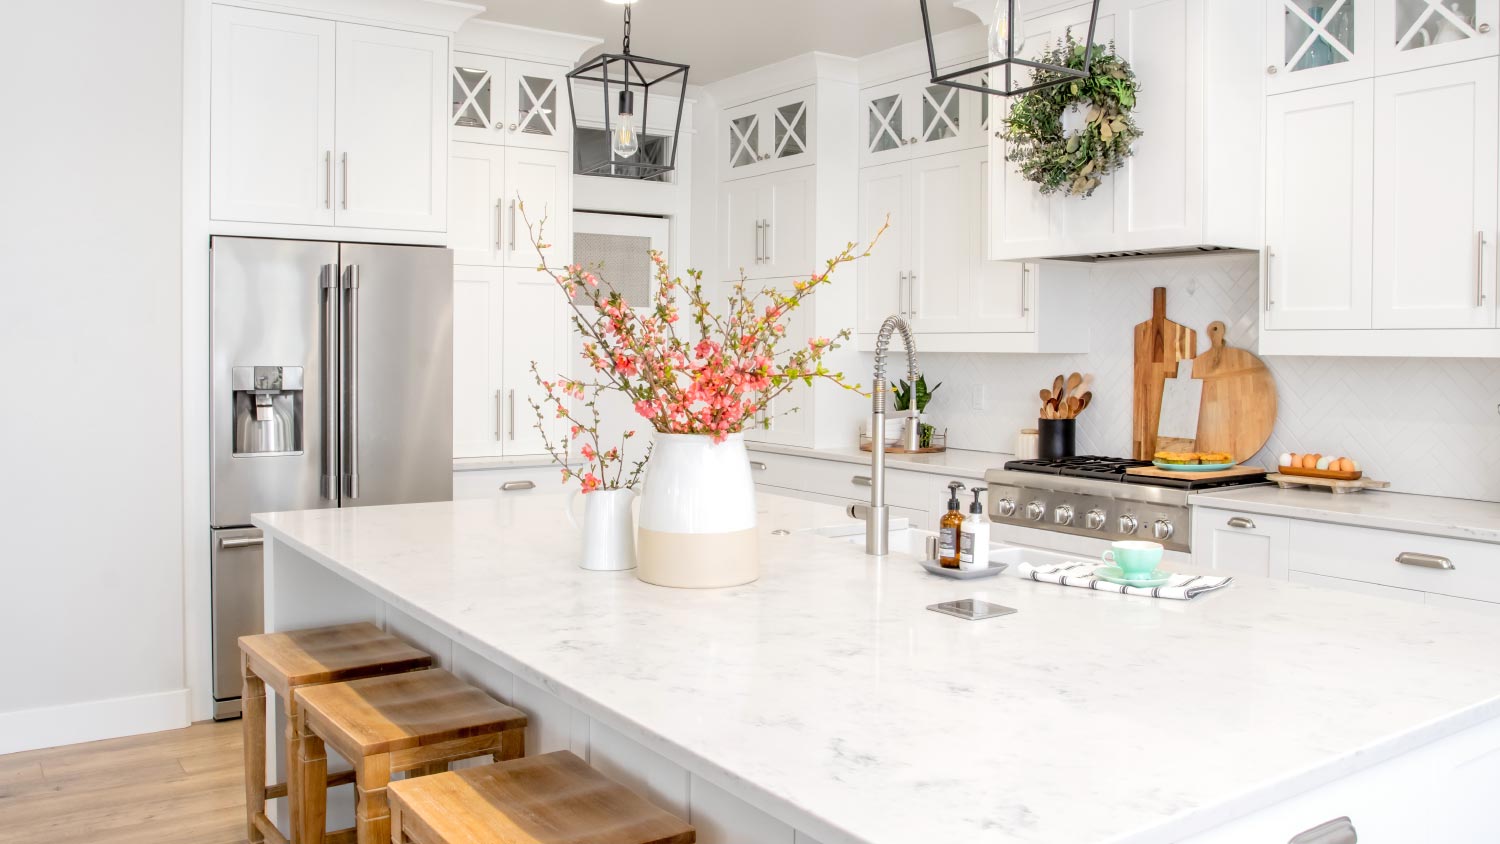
[[780, 470], [487, 482], [1373, 556], [1240, 543]]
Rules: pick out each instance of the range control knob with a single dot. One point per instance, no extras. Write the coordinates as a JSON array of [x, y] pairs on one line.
[[1129, 524], [1063, 515], [1036, 510], [1094, 519], [1005, 507], [1162, 529]]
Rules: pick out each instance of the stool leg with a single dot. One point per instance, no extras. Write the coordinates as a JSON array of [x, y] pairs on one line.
[[512, 745], [253, 721], [312, 793], [372, 815], [294, 731]]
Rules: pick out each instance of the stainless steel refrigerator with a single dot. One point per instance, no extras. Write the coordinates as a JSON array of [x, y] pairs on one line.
[[331, 385]]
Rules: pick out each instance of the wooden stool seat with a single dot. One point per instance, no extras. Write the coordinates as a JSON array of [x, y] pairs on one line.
[[419, 721], [555, 798], [291, 660]]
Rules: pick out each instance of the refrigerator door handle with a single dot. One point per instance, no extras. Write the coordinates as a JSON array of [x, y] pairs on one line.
[[330, 485], [350, 371]]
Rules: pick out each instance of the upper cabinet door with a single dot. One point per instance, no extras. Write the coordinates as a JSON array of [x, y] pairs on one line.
[[740, 228], [1319, 42], [477, 209], [786, 209], [534, 330], [1435, 205], [939, 267], [944, 117], [536, 107], [392, 141], [272, 117], [746, 141], [887, 128], [788, 124], [884, 195], [541, 181], [477, 87], [1000, 292], [1413, 34], [1318, 207]]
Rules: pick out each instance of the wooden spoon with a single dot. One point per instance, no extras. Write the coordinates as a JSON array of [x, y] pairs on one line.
[[1074, 406], [1057, 386], [1083, 400], [1046, 395], [1074, 382]]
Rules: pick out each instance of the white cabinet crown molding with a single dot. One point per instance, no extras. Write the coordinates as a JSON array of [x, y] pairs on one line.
[[523, 42], [445, 16], [772, 79]]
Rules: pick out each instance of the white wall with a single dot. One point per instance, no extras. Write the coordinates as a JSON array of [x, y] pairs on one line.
[[1428, 425], [91, 615]]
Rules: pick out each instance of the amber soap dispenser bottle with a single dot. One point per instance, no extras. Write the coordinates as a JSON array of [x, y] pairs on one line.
[[949, 527]]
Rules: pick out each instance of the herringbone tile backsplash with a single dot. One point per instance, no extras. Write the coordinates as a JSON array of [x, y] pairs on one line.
[[1429, 426]]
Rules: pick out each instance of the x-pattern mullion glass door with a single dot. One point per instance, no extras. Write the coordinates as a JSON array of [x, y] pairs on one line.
[[1319, 42], [886, 124], [789, 130], [1413, 34], [744, 140], [477, 85], [537, 113], [942, 115]]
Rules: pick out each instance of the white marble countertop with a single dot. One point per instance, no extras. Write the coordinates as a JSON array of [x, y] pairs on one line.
[[1456, 517], [954, 462], [825, 692]]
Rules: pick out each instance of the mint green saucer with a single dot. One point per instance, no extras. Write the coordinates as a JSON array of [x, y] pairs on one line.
[[1113, 574]]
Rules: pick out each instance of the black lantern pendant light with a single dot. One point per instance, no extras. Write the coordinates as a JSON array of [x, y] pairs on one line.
[[621, 77], [1003, 59]]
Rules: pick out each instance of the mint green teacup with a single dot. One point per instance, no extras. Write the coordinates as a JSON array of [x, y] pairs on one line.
[[1136, 560]]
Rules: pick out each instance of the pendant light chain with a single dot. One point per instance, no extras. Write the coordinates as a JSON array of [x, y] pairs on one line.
[[626, 46]]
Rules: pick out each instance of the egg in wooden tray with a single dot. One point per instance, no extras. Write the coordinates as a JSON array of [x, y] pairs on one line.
[[1319, 465]]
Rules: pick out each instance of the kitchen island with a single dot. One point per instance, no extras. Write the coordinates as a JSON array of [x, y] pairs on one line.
[[824, 703]]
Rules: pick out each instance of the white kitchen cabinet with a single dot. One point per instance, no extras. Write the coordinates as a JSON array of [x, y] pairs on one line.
[[503, 319], [1321, 42], [392, 145], [913, 117], [489, 183], [770, 134], [938, 270], [766, 225], [1435, 209], [1431, 564], [884, 196], [318, 122], [1413, 34], [272, 117], [1319, 197], [507, 101], [508, 482], [1241, 543], [1194, 180]]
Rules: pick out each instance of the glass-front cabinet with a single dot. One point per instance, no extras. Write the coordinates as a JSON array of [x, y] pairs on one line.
[[770, 134], [1413, 34], [504, 101], [1319, 42], [914, 117]]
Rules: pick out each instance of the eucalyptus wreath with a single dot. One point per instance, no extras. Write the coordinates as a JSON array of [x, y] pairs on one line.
[[1074, 162]]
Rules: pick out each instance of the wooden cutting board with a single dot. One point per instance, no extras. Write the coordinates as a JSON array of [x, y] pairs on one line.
[[1238, 410], [1159, 344], [1236, 472]]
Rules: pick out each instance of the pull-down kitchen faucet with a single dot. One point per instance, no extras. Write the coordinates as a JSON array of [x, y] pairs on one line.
[[877, 521]]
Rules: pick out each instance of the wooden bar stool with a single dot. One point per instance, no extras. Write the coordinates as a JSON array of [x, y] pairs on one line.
[[555, 798], [419, 721], [286, 661]]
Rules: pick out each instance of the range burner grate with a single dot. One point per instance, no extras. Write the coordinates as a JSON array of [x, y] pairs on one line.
[[1113, 470]]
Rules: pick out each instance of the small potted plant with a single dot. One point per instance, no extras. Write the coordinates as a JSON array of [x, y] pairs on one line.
[[905, 394]]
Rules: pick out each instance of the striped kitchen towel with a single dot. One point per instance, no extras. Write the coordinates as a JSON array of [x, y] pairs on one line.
[[1182, 587]]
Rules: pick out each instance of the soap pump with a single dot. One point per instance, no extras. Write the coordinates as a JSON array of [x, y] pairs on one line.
[[949, 527], [974, 536]]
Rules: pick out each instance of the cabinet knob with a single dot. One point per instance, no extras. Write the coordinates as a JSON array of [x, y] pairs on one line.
[[1484, 29], [1337, 831], [911, 140], [1272, 70], [512, 127]]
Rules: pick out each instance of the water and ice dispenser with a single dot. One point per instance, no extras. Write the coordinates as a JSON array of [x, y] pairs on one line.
[[267, 410]]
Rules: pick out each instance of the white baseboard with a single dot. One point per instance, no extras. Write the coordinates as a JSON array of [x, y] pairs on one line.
[[52, 726]]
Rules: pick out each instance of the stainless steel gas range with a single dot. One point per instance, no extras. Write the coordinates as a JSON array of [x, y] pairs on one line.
[[1095, 498]]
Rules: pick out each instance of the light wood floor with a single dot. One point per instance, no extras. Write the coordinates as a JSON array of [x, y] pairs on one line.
[[178, 787]]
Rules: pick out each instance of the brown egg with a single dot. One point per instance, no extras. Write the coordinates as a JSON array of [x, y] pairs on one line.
[[1296, 460], [1310, 461], [1345, 464]]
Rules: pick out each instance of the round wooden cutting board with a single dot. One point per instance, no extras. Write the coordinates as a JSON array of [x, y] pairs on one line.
[[1239, 399]]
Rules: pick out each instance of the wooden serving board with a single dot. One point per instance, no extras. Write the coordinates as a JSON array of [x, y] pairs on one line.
[[1236, 472], [1238, 411], [1159, 344], [896, 449], [1330, 484]]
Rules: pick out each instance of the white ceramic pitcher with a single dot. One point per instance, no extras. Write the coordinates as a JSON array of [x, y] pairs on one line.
[[607, 528]]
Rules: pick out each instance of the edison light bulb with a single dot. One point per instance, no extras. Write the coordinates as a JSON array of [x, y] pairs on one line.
[[623, 140], [1000, 29]]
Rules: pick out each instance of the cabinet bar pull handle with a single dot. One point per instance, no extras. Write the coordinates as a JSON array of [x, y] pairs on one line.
[[766, 236], [499, 225], [499, 416], [1241, 522], [861, 480], [327, 178], [1479, 270], [1025, 289], [512, 414], [901, 293], [512, 486], [1267, 272], [757, 465], [344, 187], [232, 542], [1426, 561], [1337, 831], [757, 241], [911, 294], [512, 225]]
